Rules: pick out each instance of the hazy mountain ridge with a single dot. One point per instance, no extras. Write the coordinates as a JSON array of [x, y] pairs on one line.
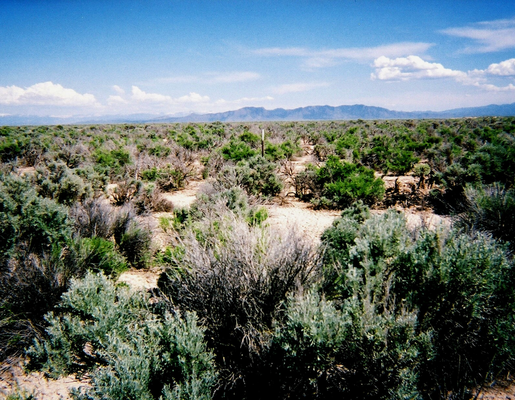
[[247, 114]]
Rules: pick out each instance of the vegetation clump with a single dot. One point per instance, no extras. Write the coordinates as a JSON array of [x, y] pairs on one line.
[[339, 184], [130, 348]]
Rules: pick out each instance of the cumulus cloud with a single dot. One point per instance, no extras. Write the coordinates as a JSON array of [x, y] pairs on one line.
[[490, 36], [411, 67], [329, 57], [45, 94], [414, 67], [298, 87], [504, 68], [140, 101], [141, 96], [493, 88]]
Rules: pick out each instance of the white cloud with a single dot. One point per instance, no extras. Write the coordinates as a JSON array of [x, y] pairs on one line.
[[243, 100], [283, 51], [232, 77], [330, 57], [11, 94], [116, 100], [139, 95], [193, 98], [504, 68], [140, 101], [411, 67], [45, 94], [298, 87], [209, 78], [490, 36], [369, 53], [414, 67], [493, 88], [118, 90]]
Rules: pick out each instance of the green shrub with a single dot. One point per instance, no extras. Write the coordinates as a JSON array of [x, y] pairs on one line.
[[238, 151], [401, 162], [257, 176], [10, 149], [111, 162], [150, 174], [171, 179], [96, 254], [421, 171], [352, 351], [462, 286], [250, 138], [167, 179], [130, 349], [25, 217], [274, 152], [338, 185], [457, 285]]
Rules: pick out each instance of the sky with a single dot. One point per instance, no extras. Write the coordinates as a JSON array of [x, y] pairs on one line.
[[170, 57]]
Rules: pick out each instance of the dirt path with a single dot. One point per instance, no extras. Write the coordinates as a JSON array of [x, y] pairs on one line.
[[291, 213]]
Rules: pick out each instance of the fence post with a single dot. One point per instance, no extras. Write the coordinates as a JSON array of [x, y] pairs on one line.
[[262, 142]]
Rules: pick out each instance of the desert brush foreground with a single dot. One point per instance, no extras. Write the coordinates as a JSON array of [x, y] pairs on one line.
[[342, 259]]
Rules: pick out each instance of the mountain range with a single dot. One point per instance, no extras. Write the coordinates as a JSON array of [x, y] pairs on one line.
[[310, 113]]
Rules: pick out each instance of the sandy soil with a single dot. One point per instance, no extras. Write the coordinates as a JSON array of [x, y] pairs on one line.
[[13, 377], [184, 198], [299, 215], [140, 279]]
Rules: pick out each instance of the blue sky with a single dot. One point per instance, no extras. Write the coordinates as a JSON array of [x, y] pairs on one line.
[[100, 57]]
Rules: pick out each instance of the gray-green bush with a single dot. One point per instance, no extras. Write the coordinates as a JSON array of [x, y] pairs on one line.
[[490, 209], [236, 278], [256, 176], [457, 285], [130, 348]]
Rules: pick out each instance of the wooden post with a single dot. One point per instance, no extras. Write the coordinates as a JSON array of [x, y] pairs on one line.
[[262, 142]]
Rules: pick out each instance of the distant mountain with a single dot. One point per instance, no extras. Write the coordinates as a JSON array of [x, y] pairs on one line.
[[247, 114], [357, 111]]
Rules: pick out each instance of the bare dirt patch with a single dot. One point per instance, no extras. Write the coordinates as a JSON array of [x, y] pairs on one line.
[[300, 216], [184, 198], [504, 390], [13, 377], [26, 171], [140, 279]]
